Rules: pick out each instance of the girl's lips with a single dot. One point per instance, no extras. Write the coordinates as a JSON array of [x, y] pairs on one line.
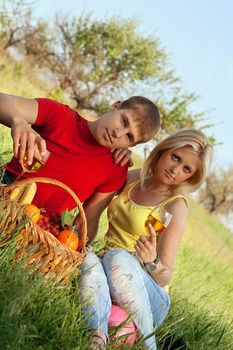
[[169, 174]]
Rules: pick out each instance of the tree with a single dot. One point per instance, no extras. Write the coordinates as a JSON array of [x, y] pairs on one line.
[[37, 46], [17, 27], [94, 59], [217, 196], [176, 114], [93, 62]]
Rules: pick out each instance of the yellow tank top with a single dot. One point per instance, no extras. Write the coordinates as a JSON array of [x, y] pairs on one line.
[[127, 219]]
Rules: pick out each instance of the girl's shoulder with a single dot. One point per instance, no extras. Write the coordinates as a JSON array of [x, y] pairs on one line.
[[178, 199], [177, 204]]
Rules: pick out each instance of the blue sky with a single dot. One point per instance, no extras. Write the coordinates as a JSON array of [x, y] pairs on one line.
[[197, 35]]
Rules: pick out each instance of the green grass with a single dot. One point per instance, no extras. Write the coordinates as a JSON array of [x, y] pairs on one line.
[[195, 326], [39, 316], [205, 263], [35, 315]]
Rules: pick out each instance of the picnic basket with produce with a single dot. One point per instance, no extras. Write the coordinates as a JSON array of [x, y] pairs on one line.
[[35, 236]]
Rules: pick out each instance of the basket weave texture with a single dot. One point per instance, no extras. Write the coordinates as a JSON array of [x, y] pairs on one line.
[[40, 249]]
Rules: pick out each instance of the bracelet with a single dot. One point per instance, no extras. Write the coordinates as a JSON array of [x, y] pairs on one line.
[[152, 265]]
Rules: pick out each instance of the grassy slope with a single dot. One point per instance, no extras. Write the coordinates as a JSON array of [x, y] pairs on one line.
[[205, 263], [202, 283]]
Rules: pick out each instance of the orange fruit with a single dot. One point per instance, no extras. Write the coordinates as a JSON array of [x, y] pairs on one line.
[[69, 238], [33, 212]]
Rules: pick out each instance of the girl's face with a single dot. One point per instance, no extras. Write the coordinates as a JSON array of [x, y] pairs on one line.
[[177, 166]]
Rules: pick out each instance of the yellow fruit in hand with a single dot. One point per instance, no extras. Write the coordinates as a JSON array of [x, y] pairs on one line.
[[32, 212]]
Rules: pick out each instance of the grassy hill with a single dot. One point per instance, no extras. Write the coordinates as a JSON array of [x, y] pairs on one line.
[[36, 316]]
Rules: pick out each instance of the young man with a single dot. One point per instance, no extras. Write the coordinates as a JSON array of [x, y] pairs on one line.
[[80, 150]]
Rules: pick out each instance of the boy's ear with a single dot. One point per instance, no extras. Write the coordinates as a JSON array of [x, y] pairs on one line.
[[116, 105]]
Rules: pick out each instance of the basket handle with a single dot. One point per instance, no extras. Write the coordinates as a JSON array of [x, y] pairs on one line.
[[47, 180]]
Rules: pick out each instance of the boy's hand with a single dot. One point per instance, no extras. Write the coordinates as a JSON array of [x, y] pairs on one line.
[[26, 141], [146, 246], [122, 155]]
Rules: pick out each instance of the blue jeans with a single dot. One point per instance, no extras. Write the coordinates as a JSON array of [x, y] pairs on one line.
[[120, 277]]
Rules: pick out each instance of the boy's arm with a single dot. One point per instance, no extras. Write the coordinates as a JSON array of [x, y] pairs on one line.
[[122, 156], [13, 107], [17, 113], [94, 206]]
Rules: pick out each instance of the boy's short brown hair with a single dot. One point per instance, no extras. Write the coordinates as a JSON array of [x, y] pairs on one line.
[[146, 115]]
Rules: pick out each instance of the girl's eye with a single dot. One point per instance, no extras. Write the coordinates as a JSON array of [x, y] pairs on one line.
[[187, 170], [175, 158]]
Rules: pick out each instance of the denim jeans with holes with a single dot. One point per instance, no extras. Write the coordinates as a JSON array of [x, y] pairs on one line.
[[120, 277]]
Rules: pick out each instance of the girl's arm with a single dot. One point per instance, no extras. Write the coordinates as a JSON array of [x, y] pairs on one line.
[[166, 247]]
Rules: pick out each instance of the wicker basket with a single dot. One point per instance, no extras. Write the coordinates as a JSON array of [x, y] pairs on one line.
[[40, 249]]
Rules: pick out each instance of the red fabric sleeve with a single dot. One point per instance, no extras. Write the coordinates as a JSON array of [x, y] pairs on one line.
[[49, 111], [114, 182]]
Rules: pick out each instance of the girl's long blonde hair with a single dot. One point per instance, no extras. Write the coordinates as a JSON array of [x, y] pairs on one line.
[[199, 145]]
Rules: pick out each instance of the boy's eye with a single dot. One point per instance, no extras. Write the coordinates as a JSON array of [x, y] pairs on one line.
[[124, 123], [130, 137]]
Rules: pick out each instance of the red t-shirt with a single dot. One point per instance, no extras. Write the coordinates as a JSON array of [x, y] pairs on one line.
[[76, 158]]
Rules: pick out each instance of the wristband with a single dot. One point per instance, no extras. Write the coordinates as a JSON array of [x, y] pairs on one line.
[[152, 265]]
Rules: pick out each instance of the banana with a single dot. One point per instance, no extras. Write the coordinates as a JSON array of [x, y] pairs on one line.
[[16, 193], [28, 194], [24, 194]]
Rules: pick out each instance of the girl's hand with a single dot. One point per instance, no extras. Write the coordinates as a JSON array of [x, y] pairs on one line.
[[146, 246], [122, 155]]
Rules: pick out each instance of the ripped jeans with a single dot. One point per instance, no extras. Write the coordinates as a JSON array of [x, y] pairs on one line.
[[120, 277]]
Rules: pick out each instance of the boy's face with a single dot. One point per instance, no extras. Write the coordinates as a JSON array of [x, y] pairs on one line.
[[116, 128]]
